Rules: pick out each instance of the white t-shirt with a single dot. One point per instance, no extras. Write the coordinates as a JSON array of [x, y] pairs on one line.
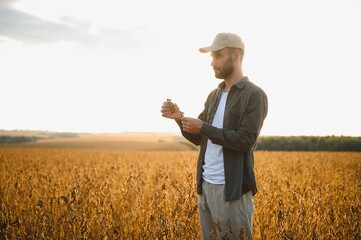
[[213, 168]]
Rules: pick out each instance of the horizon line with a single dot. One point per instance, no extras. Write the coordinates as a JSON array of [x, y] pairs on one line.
[[169, 132]]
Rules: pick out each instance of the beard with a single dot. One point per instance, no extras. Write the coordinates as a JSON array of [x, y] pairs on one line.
[[225, 71]]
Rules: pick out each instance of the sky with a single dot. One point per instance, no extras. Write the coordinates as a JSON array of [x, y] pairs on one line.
[[107, 66]]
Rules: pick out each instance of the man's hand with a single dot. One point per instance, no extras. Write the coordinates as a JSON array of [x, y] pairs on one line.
[[192, 125], [171, 110]]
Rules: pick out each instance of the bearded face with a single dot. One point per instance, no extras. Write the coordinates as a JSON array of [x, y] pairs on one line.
[[225, 71]]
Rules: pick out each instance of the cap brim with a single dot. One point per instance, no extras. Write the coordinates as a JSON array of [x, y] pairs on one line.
[[211, 48]]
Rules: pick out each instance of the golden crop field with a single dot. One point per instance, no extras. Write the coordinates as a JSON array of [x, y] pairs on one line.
[[59, 193]]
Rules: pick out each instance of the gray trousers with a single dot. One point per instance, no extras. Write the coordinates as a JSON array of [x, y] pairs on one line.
[[219, 218]]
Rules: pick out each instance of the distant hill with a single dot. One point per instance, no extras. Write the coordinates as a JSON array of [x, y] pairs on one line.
[[36, 134], [24, 136], [111, 141]]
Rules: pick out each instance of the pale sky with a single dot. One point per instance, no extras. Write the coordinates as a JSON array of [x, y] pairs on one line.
[[107, 66]]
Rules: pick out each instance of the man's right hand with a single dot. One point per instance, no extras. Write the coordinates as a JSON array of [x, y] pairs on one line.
[[171, 110]]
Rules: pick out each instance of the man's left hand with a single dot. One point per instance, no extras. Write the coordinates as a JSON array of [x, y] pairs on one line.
[[192, 125]]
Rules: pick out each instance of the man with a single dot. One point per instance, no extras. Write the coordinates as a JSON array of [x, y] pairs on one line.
[[227, 131]]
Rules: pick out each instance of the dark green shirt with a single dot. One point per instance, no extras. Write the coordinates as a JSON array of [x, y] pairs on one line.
[[246, 109]]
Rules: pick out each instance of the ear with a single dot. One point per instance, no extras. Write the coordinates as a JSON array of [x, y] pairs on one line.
[[235, 54]]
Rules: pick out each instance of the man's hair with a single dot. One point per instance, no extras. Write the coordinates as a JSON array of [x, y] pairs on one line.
[[241, 51]]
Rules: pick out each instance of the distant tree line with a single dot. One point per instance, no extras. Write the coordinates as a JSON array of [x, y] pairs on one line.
[[17, 139], [267, 143], [5, 139], [309, 143]]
